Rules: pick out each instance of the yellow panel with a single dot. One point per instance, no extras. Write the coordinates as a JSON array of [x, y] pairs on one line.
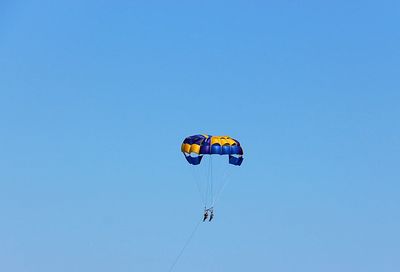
[[215, 140], [186, 148], [223, 141], [195, 148]]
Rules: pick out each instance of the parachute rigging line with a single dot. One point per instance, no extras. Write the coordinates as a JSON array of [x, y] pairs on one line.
[[211, 181], [199, 187], [184, 247], [225, 180]]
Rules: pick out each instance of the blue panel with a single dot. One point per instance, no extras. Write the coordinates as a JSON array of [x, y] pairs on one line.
[[235, 161], [226, 149], [235, 149], [215, 149], [205, 149], [194, 160], [195, 139]]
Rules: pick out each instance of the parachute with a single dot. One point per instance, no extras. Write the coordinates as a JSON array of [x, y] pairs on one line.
[[194, 147], [211, 177]]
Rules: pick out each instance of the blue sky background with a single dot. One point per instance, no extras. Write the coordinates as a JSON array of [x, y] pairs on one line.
[[96, 97]]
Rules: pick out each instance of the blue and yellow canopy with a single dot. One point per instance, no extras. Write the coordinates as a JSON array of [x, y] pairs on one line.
[[194, 147]]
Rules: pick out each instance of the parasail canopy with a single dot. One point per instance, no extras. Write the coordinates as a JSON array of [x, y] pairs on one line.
[[194, 147]]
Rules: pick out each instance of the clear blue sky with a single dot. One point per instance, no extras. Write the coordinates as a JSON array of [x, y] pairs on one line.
[[96, 98]]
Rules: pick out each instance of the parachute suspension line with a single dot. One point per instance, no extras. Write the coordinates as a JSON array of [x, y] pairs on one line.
[[184, 246], [208, 184], [198, 185], [225, 180], [211, 182]]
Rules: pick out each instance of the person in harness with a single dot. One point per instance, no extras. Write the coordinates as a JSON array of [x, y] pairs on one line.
[[211, 215], [205, 216]]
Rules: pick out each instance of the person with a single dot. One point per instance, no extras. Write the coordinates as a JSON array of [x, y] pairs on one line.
[[205, 215], [211, 216]]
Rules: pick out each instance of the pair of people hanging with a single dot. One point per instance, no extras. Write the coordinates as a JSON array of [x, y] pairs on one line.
[[206, 215]]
